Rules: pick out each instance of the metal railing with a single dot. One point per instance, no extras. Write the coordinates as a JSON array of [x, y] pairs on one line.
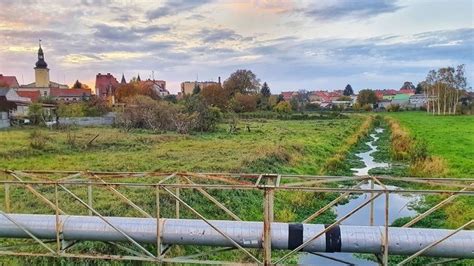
[[80, 187]]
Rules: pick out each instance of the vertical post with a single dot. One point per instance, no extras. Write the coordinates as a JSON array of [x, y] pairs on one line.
[[7, 197], [177, 201], [267, 231], [385, 248], [58, 237], [89, 197], [371, 222], [158, 233]]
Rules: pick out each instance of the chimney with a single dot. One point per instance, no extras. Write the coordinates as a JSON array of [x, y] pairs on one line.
[[219, 79]]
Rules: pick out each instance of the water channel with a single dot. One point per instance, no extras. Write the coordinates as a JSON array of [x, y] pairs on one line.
[[399, 207]]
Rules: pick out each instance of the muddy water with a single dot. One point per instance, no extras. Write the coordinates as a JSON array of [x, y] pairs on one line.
[[398, 208]]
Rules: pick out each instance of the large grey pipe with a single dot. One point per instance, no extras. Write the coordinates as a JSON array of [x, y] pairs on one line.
[[344, 238]]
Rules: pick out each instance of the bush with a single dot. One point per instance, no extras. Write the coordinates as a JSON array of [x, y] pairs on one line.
[[36, 113], [144, 112], [38, 140], [367, 107], [393, 108], [244, 102], [282, 107], [312, 107], [94, 107], [207, 116]]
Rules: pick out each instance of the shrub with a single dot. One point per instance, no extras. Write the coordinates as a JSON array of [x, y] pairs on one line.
[[36, 113], [367, 107], [72, 109], [282, 107], [38, 140], [244, 102], [312, 107], [144, 112], [207, 116], [393, 108]]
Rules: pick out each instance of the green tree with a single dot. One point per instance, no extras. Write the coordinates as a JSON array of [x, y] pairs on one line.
[[348, 91], [207, 116], [419, 88], [282, 107], [265, 91], [243, 81], [366, 96], [36, 113]]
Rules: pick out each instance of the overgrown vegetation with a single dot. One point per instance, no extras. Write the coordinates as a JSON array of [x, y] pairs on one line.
[[337, 161]]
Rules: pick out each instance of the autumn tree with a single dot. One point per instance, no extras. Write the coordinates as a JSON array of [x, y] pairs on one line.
[[444, 88], [215, 95], [133, 89], [242, 81], [366, 97], [79, 85], [244, 102], [348, 91]]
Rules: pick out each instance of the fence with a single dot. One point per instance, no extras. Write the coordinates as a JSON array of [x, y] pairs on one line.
[[88, 121], [155, 195], [4, 121]]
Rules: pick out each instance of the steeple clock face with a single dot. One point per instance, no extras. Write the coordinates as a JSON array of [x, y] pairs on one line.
[[40, 57]]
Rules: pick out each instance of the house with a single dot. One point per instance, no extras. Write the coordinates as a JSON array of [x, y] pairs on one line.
[[417, 100], [384, 104], [34, 96], [105, 85], [8, 82], [42, 82], [187, 87], [158, 86], [407, 91], [12, 103], [319, 96], [70, 95], [401, 99], [288, 95]]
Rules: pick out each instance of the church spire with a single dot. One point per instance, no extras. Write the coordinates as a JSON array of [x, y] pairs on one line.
[[123, 79], [138, 78], [41, 63]]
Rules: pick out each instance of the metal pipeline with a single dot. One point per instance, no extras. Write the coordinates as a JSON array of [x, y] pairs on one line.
[[343, 238]]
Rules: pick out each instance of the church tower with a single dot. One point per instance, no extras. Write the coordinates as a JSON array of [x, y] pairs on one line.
[[41, 70]]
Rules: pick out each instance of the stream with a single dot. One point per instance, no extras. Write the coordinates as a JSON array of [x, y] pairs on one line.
[[399, 207]]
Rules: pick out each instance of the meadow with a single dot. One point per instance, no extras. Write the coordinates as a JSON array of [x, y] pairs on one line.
[[260, 145], [448, 137]]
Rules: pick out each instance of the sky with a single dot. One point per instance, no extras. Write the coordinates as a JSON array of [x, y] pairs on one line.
[[291, 45]]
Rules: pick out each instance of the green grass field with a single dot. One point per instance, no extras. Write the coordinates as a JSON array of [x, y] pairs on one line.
[[449, 137], [271, 145], [301, 147]]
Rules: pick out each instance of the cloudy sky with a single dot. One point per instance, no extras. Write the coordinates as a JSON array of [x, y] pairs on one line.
[[292, 45]]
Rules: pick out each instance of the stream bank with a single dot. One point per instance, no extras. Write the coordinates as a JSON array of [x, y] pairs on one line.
[[366, 158]]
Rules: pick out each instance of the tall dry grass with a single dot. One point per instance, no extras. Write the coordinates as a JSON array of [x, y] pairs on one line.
[[405, 147], [337, 160]]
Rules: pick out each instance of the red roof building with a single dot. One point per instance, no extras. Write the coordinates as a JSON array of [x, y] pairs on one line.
[[8, 82], [407, 91], [288, 95], [34, 96], [105, 85], [70, 95]]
